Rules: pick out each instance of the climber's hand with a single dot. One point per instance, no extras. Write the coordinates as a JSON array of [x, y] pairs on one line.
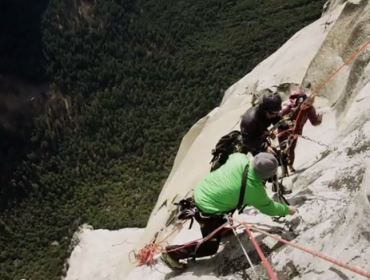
[[319, 117], [292, 210], [271, 150]]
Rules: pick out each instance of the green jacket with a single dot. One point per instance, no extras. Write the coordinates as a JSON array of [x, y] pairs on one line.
[[219, 190]]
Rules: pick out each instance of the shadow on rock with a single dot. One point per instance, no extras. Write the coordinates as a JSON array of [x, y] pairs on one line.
[[299, 171], [348, 181], [296, 201], [288, 272]]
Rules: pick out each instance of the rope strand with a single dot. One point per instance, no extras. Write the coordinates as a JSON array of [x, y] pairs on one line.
[[316, 254]]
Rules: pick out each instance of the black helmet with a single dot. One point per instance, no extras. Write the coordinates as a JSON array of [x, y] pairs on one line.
[[271, 101]]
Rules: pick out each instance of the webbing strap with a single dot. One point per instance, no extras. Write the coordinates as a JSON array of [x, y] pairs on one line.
[[243, 187]]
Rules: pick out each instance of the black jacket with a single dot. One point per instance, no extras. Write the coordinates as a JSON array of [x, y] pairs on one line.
[[253, 126]]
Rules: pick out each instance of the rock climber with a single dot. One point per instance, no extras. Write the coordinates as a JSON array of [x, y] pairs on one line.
[[219, 194], [297, 99], [254, 128], [257, 119]]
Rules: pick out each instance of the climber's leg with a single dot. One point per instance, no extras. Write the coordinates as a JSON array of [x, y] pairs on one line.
[[207, 248], [292, 155]]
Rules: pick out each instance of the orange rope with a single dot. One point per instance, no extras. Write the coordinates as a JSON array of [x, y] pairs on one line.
[[147, 253], [315, 91]]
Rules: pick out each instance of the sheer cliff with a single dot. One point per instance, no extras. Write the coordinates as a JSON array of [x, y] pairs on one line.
[[330, 188]]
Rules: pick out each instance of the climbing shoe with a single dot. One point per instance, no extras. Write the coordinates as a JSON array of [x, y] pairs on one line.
[[172, 263], [291, 168]]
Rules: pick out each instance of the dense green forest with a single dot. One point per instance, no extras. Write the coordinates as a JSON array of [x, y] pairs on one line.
[[129, 78]]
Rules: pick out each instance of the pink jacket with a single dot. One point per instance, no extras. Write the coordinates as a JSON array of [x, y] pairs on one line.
[[308, 114]]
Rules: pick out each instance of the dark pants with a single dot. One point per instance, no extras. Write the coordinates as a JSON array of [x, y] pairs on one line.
[[291, 150], [205, 249]]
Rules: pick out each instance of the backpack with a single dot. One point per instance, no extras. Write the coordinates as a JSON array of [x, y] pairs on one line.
[[226, 145]]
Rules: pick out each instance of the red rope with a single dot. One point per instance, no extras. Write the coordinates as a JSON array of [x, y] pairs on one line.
[[265, 263], [316, 254], [146, 255]]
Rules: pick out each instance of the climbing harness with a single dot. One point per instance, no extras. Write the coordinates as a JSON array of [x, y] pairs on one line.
[[186, 210]]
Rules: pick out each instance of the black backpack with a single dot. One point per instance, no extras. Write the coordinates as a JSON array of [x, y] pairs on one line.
[[227, 145]]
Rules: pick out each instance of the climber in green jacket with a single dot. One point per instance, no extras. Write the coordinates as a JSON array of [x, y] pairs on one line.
[[218, 194]]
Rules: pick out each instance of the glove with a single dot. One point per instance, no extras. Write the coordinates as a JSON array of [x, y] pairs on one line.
[[292, 210]]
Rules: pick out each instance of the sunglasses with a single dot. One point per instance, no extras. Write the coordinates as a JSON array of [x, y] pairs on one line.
[[272, 112]]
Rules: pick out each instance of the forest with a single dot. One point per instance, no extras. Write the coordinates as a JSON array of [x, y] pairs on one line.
[[127, 78]]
